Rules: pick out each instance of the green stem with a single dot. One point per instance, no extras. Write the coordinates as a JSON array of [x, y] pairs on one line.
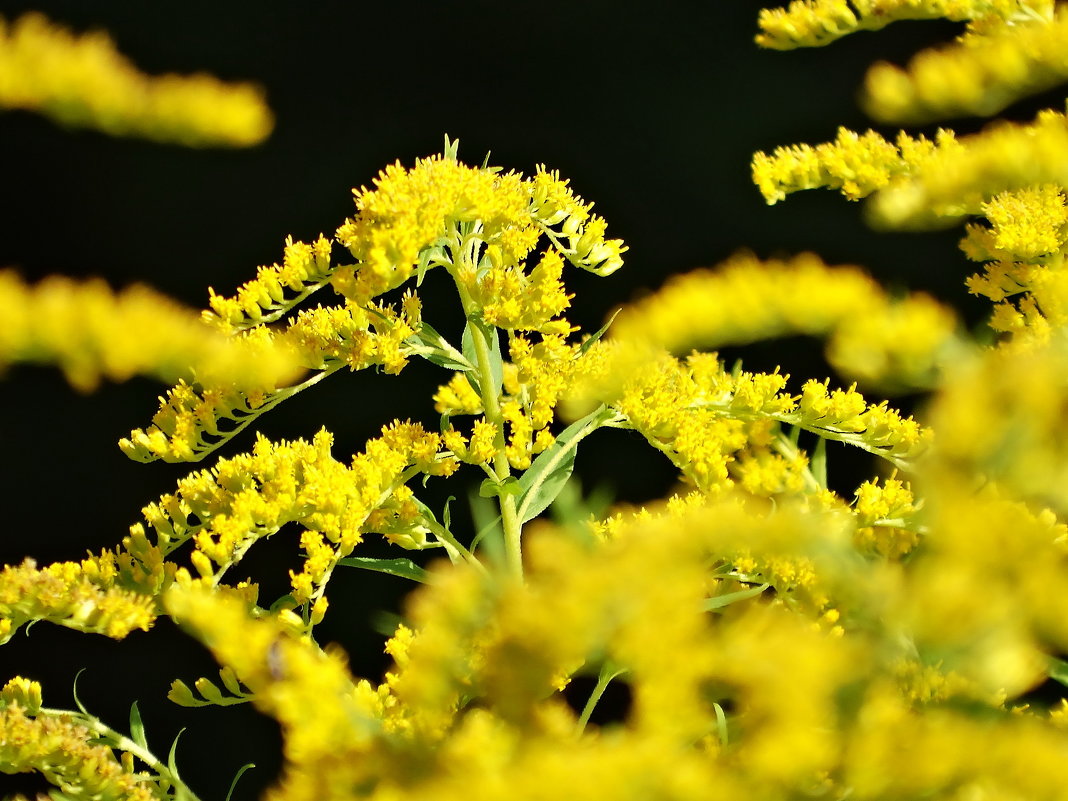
[[492, 408], [608, 672], [123, 743]]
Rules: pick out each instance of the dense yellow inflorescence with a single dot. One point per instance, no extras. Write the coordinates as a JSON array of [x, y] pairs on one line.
[[83, 81], [84, 328], [781, 632]]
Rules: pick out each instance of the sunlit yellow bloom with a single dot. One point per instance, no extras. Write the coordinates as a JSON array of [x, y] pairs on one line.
[[275, 289], [901, 344], [86, 596], [812, 23], [88, 331], [878, 507], [956, 182], [856, 164], [747, 299], [980, 75], [83, 81], [457, 396], [195, 420], [67, 754], [1029, 222]]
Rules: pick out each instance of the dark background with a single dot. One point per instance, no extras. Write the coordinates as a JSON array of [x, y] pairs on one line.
[[652, 113]]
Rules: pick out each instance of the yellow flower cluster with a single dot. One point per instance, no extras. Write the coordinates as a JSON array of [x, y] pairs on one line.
[[813, 23], [327, 724], [1001, 417], [856, 164], [86, 596], [479, 223], [195, 420], [512, 300], [956, 182], [66, 753], [719, 427], [83, 81], [885, 514], [85, 328], [305, 268], [980, 75], [243, 499], [872, 338]]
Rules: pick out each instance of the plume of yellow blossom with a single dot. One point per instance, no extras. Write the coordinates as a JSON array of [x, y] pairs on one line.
[[83, 81], [66, 754], [813, 23], [86, 596], [980, 75], [305, 268], [856, 164], [195, 420], [328, 729], [956, 182], [86, 329], [248, 497]]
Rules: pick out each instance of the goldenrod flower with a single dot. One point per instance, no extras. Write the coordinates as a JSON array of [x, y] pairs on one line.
[[87, 330], [83, 81], [980, 75], [813, 23]]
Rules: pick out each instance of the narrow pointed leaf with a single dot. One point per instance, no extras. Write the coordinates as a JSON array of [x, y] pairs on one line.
[[137, 726], [238, 775], [171, 765], [729, 598], [547, 475], [405, 568]]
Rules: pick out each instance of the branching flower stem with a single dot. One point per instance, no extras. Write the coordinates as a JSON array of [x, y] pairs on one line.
[[121, 742]]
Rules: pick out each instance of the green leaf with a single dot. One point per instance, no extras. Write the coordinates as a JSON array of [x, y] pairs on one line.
[[547, 475], [433, 347], [74, 690], [721, 723], [491, 488], [594, 338], [405, 568], [1058, 670], [446, 514], [496, 360], [818, 463], [137, 727], [729, 598], [240, 773], [487, 527], [171, 764]]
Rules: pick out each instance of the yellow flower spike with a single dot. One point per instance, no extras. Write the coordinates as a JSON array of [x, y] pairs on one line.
[[84, 328], [745, 300], [193, 422], [903, 344], [856, 164], [981, 75], [814, 23], [305, 268], [83, 81], [457, 397], [308, 691], [956, 182], [79, 596], [26, 693], [68, 755], [1029, 222]]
